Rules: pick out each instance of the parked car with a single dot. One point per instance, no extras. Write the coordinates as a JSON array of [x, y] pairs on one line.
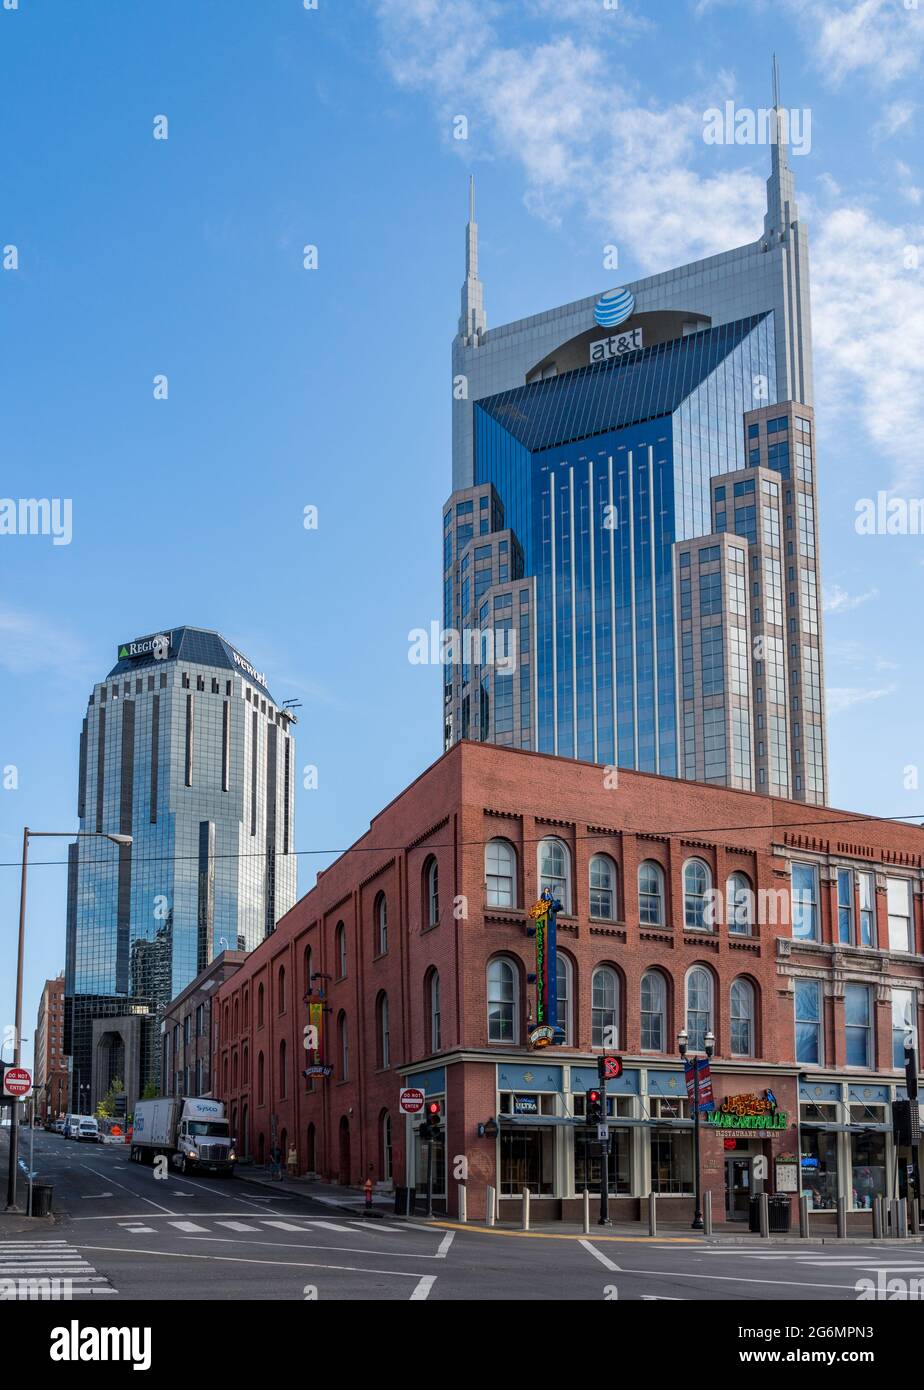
[[58, 1125], [88, 1128]]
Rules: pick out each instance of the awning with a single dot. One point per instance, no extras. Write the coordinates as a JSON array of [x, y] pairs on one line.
[[572, 1122]]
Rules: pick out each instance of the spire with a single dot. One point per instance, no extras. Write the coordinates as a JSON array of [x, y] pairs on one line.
[[472, 321], [782, 209]]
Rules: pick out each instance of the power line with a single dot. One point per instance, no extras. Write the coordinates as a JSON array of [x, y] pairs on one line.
[[853, 819]]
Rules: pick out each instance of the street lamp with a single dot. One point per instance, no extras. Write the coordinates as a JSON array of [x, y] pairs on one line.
[[27, 834], [683, 1039]]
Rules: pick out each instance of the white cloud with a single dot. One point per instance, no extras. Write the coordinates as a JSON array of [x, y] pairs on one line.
[[841, 698], [896, 115], [29, 643], [837, 600], [880, 39]]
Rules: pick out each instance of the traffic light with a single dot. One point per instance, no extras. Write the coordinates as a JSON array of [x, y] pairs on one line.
[[430, 1128], [593, 1107], [906, 1122]]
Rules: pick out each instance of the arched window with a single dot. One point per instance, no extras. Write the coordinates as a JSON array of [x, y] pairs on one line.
[[227, 1024], [699, 1007], [653, 1009], [283, 1070], [341, 950], [282, 990], [233, 1073], [555, 871], [433, 1010], [343, 1039], [380, 914], [246, 1007], [564, 995], [306, 970], [237, 1016], [503, 1001], [604, 1007], [261, 1080], [245, 1068], [739, 904], [385, 1168], [260, 1007], [650, 894], [500, 870], [697, 880], [383, 1049], [603, 888], [432, 892], [742, 1018]]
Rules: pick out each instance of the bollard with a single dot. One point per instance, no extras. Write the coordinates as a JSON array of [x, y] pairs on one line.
[[586, 1212], [462, 1198], [842, 1218], [525, 1226], [707, 1213], [490, 1200], [764, 1216], [914, 1217], [877, 1218], [804, 1220], [903, 1217], [652, 1214], [893, 1217]]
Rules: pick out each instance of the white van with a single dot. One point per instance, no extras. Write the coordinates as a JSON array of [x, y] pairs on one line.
[[70, 1126], [88, 1128]]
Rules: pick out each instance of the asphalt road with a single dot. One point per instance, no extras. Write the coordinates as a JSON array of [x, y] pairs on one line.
[[123, 1234]]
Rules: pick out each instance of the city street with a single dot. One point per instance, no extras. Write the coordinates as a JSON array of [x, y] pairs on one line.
[[121, 1234]]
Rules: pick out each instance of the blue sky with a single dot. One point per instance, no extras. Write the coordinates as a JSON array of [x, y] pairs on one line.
[[287, 388]]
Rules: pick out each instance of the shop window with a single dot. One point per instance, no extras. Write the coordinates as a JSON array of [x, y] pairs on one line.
[[527, 1159], [819, 1168], [672, 1162], [587, 1163]]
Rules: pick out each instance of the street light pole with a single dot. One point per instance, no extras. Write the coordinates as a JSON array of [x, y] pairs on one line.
[[20, 960], [682, 1044]]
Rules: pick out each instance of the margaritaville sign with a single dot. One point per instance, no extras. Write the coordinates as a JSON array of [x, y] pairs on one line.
[[739, 1117]]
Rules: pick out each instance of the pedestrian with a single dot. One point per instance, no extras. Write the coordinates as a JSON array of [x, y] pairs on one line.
[[292, 1161], [276, 1163]]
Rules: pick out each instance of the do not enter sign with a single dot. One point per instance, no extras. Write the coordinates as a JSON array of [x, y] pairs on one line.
[[411, 1100], [17, 1081]]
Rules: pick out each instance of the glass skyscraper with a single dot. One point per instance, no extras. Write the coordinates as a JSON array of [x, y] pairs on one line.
[[184, 749], [584, 458]]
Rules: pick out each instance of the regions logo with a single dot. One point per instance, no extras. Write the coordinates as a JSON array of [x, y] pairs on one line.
[[614, 307]]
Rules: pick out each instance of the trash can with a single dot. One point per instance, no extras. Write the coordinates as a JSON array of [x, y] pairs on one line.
[[754, 1215], [42, 1193], [403, 1201], [779, 1213]]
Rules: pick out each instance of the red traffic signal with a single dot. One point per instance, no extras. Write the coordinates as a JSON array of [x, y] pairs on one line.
[[593, 1107], [432, 1115]]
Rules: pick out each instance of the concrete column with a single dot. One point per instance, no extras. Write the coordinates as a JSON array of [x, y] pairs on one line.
[[804, 1220], [525, 1225], [652, 1214], [841, 1218], [462, 1200], [764, 1210], [490, 1205], [586, 1212]]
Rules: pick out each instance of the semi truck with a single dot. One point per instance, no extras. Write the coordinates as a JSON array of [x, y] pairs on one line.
[[192, 1134]]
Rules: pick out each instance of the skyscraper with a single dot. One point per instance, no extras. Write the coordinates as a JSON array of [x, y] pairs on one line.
[[634, 511], [184, 749]]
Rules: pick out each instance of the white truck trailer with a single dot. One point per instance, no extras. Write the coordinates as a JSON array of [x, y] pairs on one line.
[[192, 1134]]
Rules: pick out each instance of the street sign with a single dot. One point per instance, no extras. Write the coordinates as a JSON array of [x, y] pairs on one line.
[[411, 1100], [17, 1082], [609, 1067], [603, 1131]]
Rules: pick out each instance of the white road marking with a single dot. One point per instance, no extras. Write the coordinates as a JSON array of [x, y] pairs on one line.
[[608, 1264], [289, 1226], [332, 1226], [43, 1259], [130, 1190], [444, 1245], [241, 1260], [238, 1226], [190, 1226], [94, 1196], [137, 1230], [422, 1290]]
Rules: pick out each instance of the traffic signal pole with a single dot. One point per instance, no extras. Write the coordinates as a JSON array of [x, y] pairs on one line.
[[604, 1218], [14, 1104]]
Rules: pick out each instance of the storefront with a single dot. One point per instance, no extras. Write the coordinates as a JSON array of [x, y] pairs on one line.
[[846, 1145]]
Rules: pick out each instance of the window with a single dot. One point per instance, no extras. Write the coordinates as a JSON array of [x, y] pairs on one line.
[[433, 1002], [867, 909], [341, 950], [699, 1007], [564, 973], [808, 1021], [857, 1024], [306, 959], [653, 997], [845, 907], [500, 874], [432, 880], [650, 894], [898, 892], [554, 871], [697, 880], [260, 1007], [739, 904], [261, 1080], [282, 990], [742, 1018], [283, 1071], [503, 1023], [343, 1039], [804, 902], [384, 1037], [605, 1007], [380, 913], [903, 1021], [603, 888]]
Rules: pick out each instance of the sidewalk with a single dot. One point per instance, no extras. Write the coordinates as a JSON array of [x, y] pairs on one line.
[[351, 1199]]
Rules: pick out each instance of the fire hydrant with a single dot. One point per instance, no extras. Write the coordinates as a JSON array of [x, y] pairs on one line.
[[367, 1189]]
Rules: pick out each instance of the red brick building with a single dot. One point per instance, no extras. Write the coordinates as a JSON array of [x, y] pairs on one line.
[[791, 933], [51, 1064]]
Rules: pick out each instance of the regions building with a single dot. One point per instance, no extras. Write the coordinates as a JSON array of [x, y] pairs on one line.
[[789, 938], [630, 551], [185, 750], [50, 1059]]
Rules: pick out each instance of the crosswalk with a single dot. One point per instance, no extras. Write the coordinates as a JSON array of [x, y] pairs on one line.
[[891, 1258], [39, 1270], [302, 1225]]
